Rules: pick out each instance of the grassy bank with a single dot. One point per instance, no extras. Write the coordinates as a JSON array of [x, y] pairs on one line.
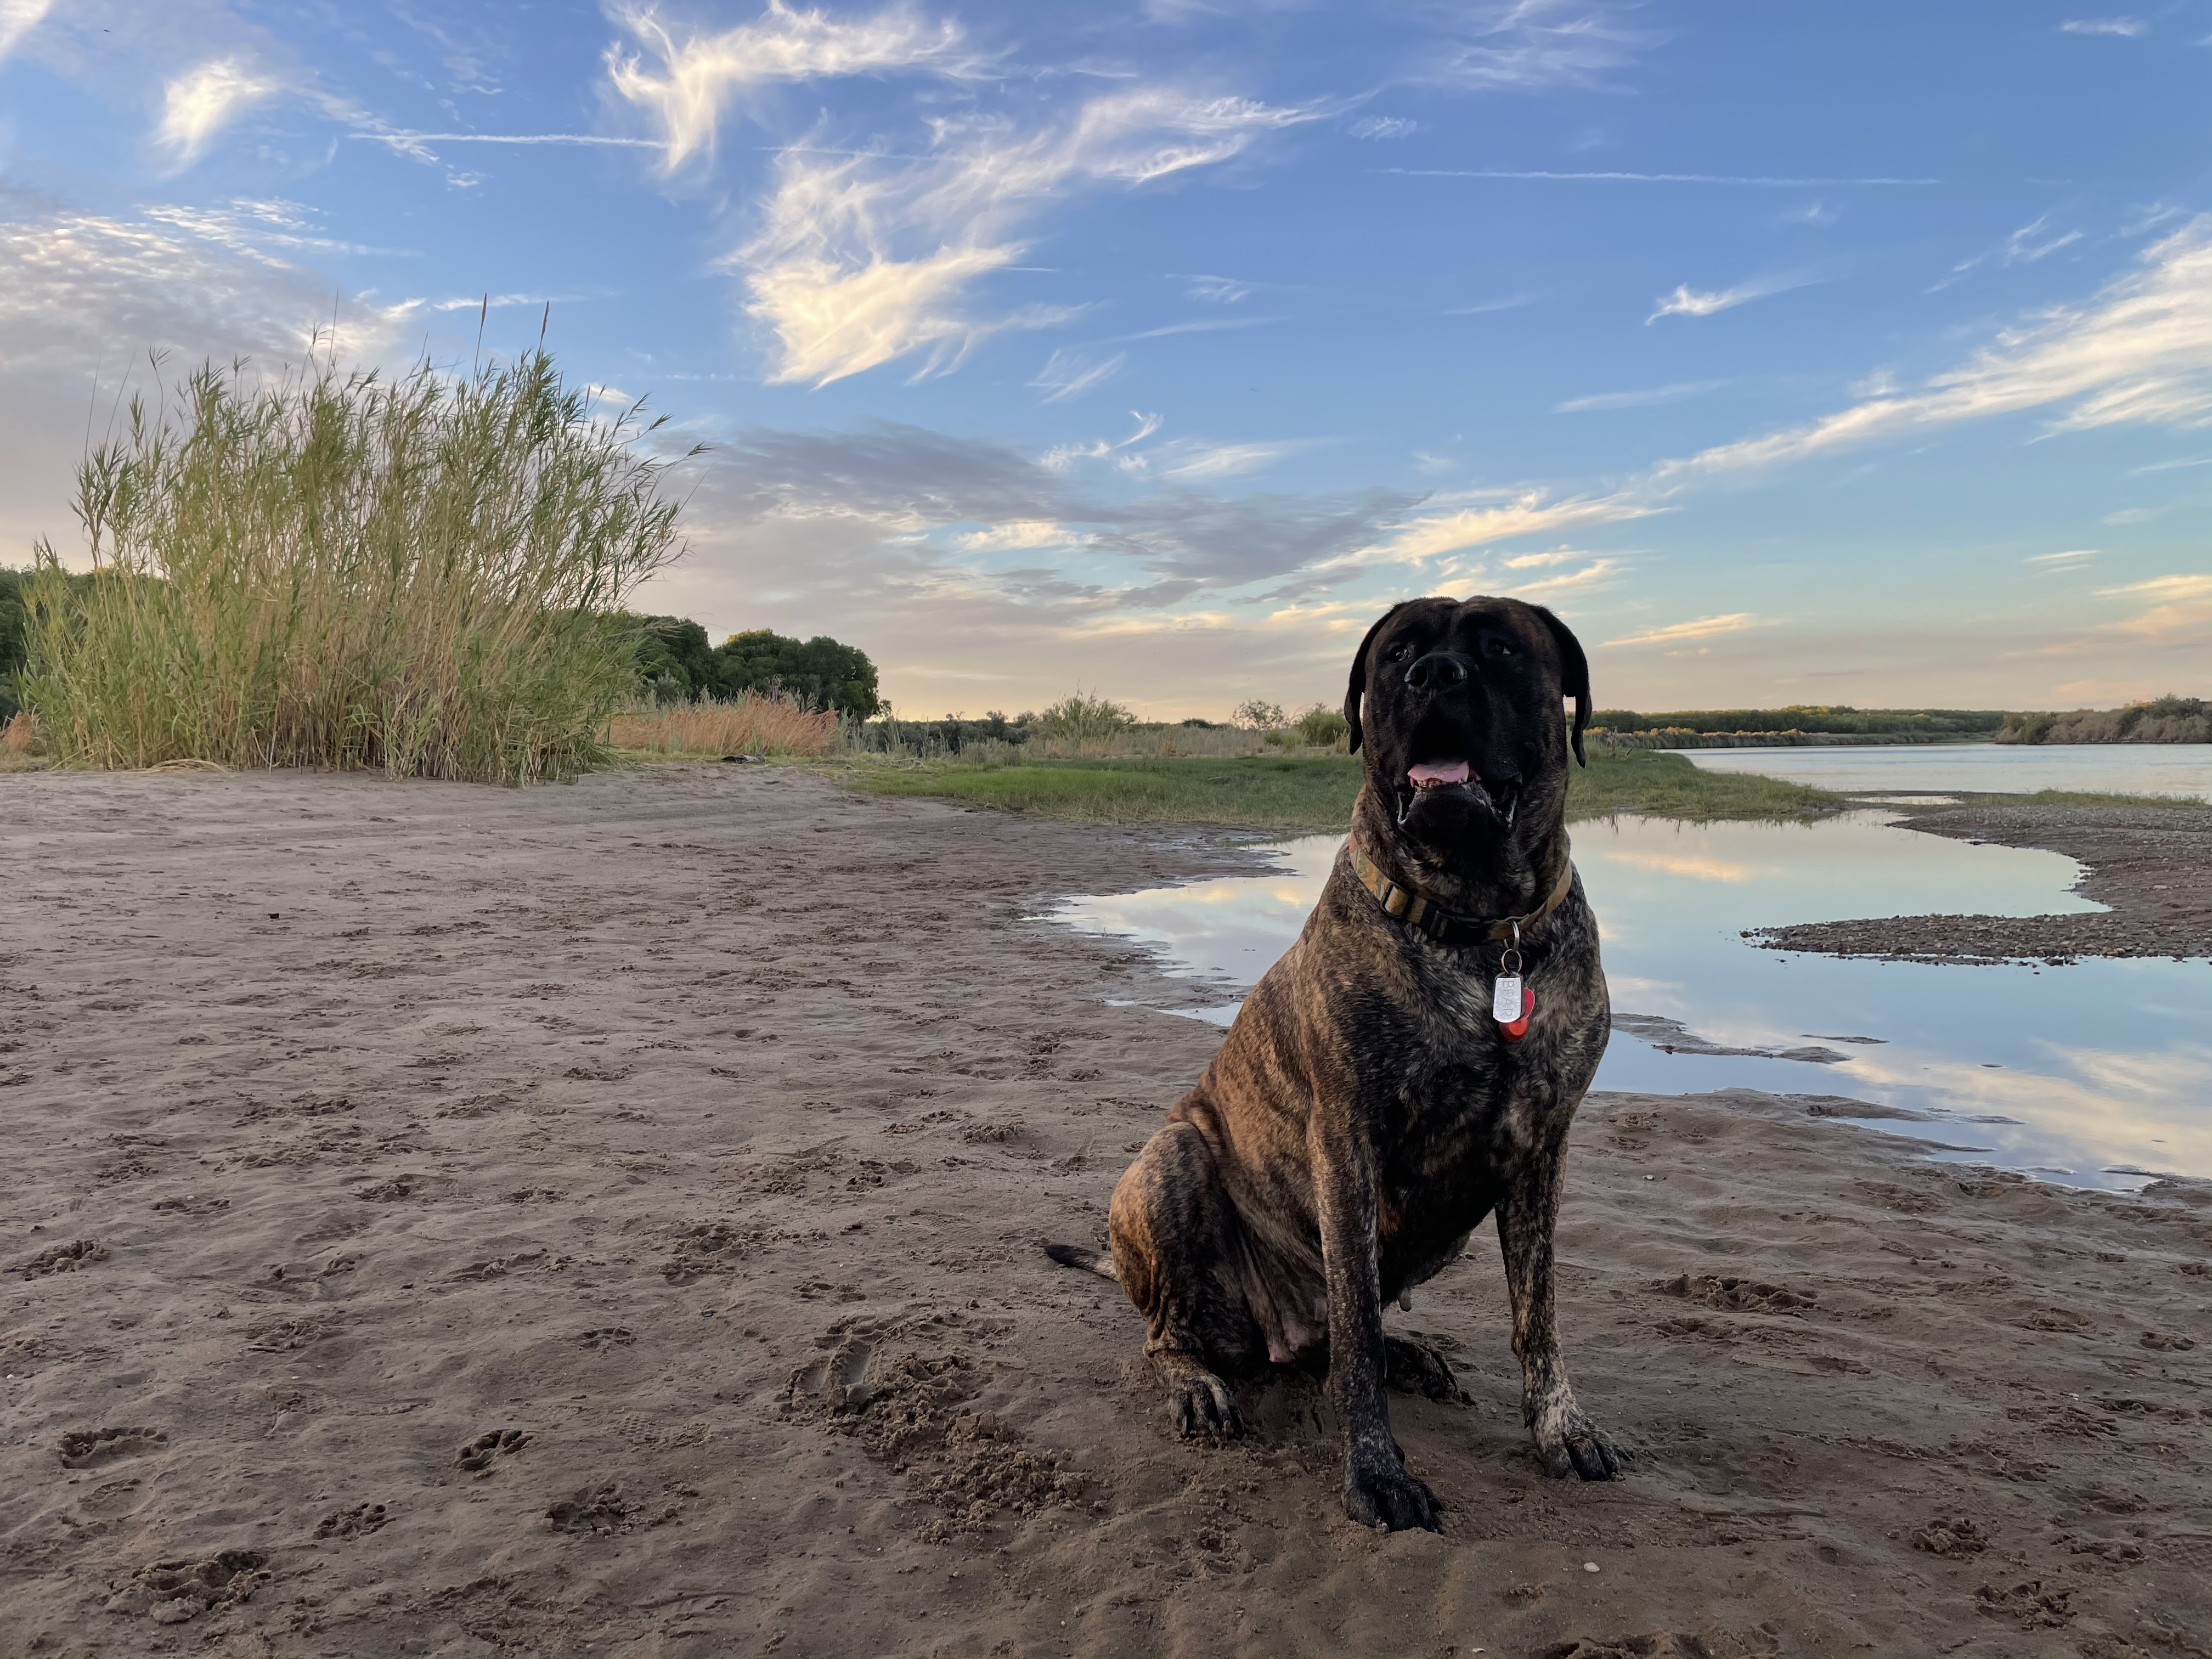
[[422, 576], [1302, 792]]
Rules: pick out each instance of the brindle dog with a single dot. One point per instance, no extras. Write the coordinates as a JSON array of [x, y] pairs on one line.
[[1366, 1111]]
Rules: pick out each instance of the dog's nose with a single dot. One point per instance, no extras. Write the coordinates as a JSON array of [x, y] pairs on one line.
[[1438, 672]]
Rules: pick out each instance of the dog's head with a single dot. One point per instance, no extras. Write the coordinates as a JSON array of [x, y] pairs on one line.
[[1456, 705]]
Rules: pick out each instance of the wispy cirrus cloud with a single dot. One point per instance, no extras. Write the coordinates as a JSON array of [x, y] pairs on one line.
[[2126, 27], [1703, 628], [2072, 557], [200, 103], [2030, 243], [2177, 604], [1613, 177], [2138, 353], [18, 18], [1648, 398], [864, 259], [1687, 301], [1529, 45], [1069, 374], [695, 77]]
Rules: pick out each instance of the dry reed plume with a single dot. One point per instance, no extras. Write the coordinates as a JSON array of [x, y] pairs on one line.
[[750, 725], [413, 576]]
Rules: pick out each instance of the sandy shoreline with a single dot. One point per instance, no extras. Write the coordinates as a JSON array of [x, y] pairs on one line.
[[602, 1220], [2153, 865]]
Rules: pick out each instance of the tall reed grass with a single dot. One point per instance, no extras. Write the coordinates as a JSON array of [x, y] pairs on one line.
[[750, 725], [416, 575]]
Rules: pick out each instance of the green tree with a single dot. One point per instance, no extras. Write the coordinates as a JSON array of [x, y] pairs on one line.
[[674, 659], [818, 672]]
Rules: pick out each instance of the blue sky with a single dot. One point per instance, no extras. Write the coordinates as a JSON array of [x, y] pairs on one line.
[[1835, 354]]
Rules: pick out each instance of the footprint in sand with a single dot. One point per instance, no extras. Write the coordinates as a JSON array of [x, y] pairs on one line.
[[63, 1259], [1955, 1539], [476, 1456], [82, 1449], [1737, 1295], [356, 1522], [170, 1592], [611, 1336], [112, 1498], [600, 1510]]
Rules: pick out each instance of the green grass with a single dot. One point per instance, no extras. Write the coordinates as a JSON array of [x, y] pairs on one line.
[[1303, 791]]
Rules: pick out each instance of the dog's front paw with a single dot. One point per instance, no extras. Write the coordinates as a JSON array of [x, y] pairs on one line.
[[1416, 1368], [1570, 1443], [1200, 1404], [1391, 1498]]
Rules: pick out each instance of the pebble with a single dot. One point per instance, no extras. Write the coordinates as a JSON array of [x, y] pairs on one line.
[[1590, 1566]]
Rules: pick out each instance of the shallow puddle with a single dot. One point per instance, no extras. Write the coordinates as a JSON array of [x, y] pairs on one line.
[[2126, 768], [2080, 1073]]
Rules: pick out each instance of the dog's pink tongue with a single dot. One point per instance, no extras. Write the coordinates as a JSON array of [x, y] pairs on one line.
[[1429, 774]]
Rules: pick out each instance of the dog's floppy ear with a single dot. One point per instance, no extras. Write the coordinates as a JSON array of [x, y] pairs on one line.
[[1359, 685], [1574, 673]]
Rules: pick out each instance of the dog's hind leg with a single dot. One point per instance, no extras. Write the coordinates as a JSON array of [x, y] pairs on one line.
[[1176, 1250], [1566, 1440]]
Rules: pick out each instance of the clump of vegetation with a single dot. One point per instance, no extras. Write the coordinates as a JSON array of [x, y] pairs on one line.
[[1259, 715], [816, 673], [2161, 720], [746, 725], [1840, 718], [422, 575], [1081, 718], [1319, 727]]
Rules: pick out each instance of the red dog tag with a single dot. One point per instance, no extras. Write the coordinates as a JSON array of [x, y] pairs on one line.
[[1514, 1029]]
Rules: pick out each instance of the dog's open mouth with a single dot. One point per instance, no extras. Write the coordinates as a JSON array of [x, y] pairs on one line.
[[1456, 778]]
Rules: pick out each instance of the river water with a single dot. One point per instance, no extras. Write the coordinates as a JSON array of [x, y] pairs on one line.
[[2094, 1075], [2126, 768]]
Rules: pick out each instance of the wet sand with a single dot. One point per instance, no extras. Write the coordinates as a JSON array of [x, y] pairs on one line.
[[603, 1221], [2152, 865]]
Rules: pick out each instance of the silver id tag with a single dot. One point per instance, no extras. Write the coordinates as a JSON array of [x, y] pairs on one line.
[[1505, 1001]]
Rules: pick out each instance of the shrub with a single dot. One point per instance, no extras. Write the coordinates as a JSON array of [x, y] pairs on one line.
[[2162, 720], [1258, 714], [421, 575], [1080, 718], [674, 659], [1322, 727]]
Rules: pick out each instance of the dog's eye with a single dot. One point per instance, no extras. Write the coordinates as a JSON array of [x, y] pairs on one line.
[[1399, 652], [1499, 648]]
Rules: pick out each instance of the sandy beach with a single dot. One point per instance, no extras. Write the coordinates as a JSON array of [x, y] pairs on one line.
[[603, 1221]]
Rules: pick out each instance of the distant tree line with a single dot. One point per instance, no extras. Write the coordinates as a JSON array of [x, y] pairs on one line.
[[1810, 717], [2162, 720], [677, 665]]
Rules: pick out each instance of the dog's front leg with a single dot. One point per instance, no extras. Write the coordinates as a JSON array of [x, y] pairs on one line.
[[1376, 1488], [1566, 1439]]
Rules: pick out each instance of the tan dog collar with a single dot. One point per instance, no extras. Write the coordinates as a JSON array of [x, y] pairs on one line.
[[1417, 909]]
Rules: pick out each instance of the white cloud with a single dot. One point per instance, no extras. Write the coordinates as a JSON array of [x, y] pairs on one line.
[[2066, 560], [200, 103], [1687, 301], [700, 74], [2024, 247], [1540, 561], [1510, 302], [2139, 353], [864, 259], [2179, 603], [1529, 45], [1226, 461], [2126, 27], [1704, 628], [1068, 373], [1646, 399], [17, 19], [1384, 126], [2168, 466], [1528, 513], [1217, 290], [1018, 535], [1598, 573]]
